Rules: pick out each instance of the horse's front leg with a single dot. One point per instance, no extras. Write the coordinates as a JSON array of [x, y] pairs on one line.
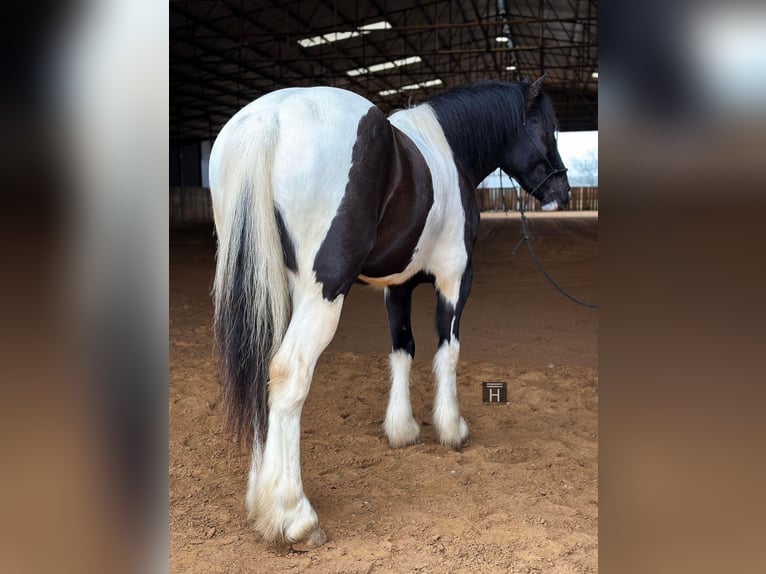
[[451, 429], [400, 426], [275, 498]]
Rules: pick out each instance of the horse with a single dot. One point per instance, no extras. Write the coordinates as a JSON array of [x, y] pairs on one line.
[[314, 189]]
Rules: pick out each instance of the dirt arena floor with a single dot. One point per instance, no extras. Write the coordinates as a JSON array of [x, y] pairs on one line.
[[522, 496]]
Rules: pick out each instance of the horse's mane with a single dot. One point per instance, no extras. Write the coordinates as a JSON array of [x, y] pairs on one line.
[[476, 117]]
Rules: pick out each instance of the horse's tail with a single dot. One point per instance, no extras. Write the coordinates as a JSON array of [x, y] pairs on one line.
[[250, 291]]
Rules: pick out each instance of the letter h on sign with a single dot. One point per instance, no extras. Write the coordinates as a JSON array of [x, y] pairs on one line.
[[494, 392]]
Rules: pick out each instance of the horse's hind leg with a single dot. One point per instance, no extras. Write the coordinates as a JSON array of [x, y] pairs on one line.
[[400, 426], [451, 297], [275, 499]]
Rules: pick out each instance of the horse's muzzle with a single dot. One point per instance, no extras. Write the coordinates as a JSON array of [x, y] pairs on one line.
[[556, 199]]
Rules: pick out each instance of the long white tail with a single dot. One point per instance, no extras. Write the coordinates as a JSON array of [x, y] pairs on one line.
[[251, 294]]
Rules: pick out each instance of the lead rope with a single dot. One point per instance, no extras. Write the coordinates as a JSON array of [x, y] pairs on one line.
[[525, 239]]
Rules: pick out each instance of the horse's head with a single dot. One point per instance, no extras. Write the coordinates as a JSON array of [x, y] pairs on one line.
[[534, 158]]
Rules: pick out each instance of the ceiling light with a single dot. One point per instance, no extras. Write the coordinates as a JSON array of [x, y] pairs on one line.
[[510, 68], [426, 84], [326, 39], [380, 25], [594, 75], [337, 36], [501, 38], [419, 85], [385, 66]]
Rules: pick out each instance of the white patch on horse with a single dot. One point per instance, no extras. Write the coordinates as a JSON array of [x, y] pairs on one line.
[[312, 162], [400, 426], [275, 498], [450, 426]]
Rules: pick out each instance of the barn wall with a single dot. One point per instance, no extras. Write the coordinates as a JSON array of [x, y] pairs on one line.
[[189, 206], [186, 165]]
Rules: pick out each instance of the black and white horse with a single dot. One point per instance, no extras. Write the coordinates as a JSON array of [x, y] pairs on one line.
[[314, 189]]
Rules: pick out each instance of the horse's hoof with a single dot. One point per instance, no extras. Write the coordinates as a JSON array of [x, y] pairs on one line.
[[314, 540], [460, 446]]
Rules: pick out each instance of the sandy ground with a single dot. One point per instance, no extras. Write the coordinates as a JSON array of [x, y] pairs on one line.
[[522, 496]]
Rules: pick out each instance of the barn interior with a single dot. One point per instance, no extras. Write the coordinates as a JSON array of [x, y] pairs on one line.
[[522, 494]]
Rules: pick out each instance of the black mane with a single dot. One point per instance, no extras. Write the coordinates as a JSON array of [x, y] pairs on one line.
[[480, 119]]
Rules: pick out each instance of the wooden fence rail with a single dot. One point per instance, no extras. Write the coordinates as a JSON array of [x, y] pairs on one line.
[[190, 205], [512, 199]]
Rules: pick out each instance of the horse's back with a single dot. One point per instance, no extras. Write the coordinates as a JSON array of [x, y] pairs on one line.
[[317, 132], [308, 134], [301, 119]]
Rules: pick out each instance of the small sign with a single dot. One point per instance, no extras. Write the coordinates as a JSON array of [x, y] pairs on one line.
[[494, 392]]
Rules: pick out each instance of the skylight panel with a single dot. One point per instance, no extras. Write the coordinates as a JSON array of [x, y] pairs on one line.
[[408, 87], [385, 66], [380, 25], [338, 36]]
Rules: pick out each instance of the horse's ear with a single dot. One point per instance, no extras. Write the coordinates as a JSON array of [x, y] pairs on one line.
[[534, 91]]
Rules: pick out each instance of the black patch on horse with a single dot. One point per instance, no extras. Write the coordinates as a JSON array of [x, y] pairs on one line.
[[244, 371], [383, 211], [399, 309], [288, 250], [410, 196]]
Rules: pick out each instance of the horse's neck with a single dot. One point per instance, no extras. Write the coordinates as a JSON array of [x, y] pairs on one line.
[[477, 147]]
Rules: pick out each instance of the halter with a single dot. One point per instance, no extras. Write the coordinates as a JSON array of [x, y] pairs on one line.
[[554, 170]]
